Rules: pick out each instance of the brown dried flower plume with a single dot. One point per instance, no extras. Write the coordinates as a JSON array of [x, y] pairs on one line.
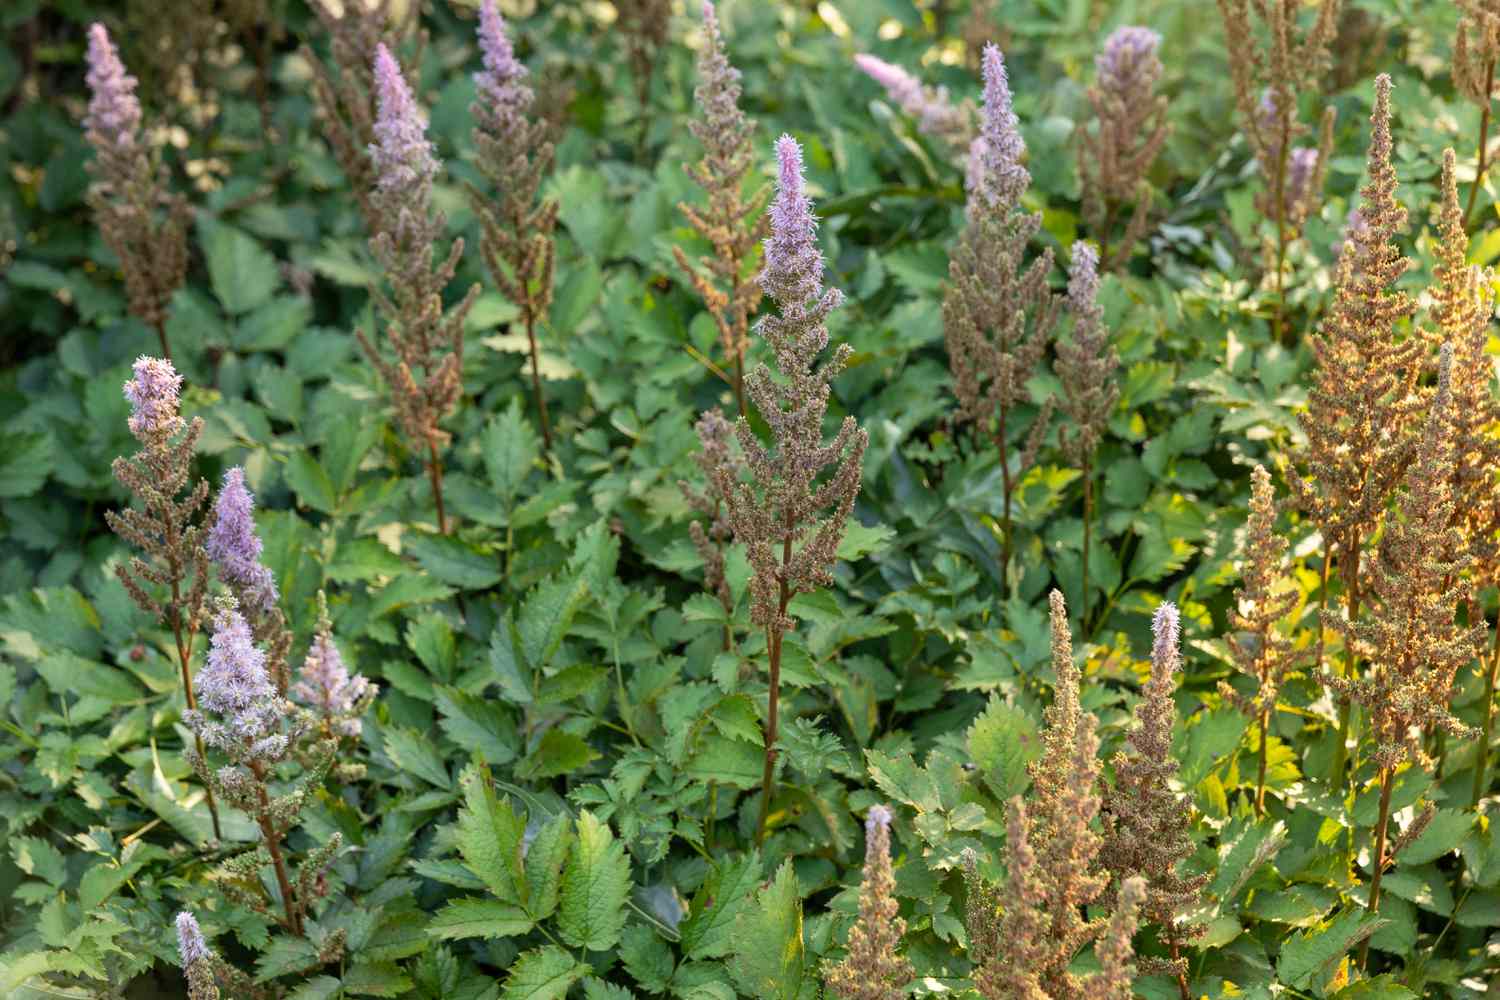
[[872, 970]]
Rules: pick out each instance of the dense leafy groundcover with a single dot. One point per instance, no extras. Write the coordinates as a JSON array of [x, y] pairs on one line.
[[556, 783]]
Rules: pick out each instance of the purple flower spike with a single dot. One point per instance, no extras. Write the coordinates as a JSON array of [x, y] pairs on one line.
[[900, 86], [878, 816], [402, 155], [233, 545], [233, 683], [500, 81], [794, 265], [190, 944], [325, 683], [1166, 627], [114, 111], [1301, 167], [1128, 63], [1005, 179], [153, 396], [1083, 279]]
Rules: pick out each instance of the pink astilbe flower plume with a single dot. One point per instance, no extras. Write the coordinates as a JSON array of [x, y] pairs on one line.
[[153, 392], [326, 685], [141, 221], [935, 112], [234, 685], [235, 547], [1006, 180], [789, 521], [404, 164], [872, 970], [197, 960]]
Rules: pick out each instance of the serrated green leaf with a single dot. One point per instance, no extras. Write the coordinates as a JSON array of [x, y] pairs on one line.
[[1308, 959], [544, 866], [454, 562], [25, 460], [1446, 832], [860, 541], [306, 477], [1002, 741], [707, 929], [544, 974], [317, 988], [413, 752], [511, 449], [559, 752], [769, 957], [243, 274], [546, 615], [901, 778], [479, 726], [479, 918], [595, 886], [489, 839], [375, 979]]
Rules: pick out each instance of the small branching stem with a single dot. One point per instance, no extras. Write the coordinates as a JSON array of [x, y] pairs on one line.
[[435, 473], [184, 657], [293, 921], [1005, 523], [161, 334], [1481, 765], [1260, 778], [774, 633], [1377, 858], [536, 380], [1088, 517], [1484, 142], [1350, 574]]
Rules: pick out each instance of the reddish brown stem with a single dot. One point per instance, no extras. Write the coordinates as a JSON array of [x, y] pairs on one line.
[[1350, 573], [161, 334], [1176, 951], [184, 657], [1005, 487], [1482, 764], [1484, 141], [1088, 513], [1377, 858], [1260, 779], [774, 634], [435, 473], [536, 381], [272, 837]]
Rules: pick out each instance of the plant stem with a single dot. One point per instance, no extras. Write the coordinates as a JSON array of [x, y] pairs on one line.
[[1482, 764], [1088, 517], [536, 380], [1005, 526], [1176, 951], [1484, 141], [161, 333], [273, 847], [1377, 859], [184, 655], [1350, 573], [435, 473], [1279, 194], [1323, 608], [774, 633], [1260, 780]]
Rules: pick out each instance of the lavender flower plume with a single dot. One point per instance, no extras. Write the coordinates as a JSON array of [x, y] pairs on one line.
[[1005, 180], [1128, 62], [1302, 168], [234, 685], [114, 110], [500, 80], [1166, 629], [900, 86], [326, 684], [793, 271], [153, 395], [190, 944], [402, 156], [935, 113], [234, 546], [878, 816]]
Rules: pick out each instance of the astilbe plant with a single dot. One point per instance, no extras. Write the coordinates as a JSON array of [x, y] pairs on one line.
[[1361, 403], [235, 550], [1147, 823], [337, 699], [197, 959], [998, 312], [344, 94], [1476, 50], [1131, 127], [164, 526], [731, 222], [1088, 368], [935, 112], [143, 223], [716, 436], [789, 522], [1257, 647], [1413, 639], [255, 729], [514, 156], [1033, 924], [428, 340], [872, 970], [1269, 76], [644, 25]]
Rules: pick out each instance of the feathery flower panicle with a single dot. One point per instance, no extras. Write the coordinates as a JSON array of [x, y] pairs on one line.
[[153, 393], [644, 24], [326, 685], [716, 436], [1257, 646], [1476, 50], [234, 546], [872, 970], [998, 312], [426, 378], [1087, 364], [731, 222], [234, 685], [142, 222], [1131, 117], [344, 94], [789, 521], [1362, 402], [514, 155], [1146, 822], [197, 960], [936, 114], [1052, 862]]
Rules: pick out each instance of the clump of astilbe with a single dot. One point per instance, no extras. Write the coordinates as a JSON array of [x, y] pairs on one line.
[[1114, 159], [235, 549], [344, 95], [1147, 822], [726, 222], [1476, 50], [163, 527], [1088, 367], [998, 313], [426, 339], [338, 699], [1268, 78], [1257, 647], [936, 114], [872, 970], [1463, 302], [1412, 639], [1035, 923], [1361, 402], [142, 222], [514, 155], [256, 729], [779, 514]]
